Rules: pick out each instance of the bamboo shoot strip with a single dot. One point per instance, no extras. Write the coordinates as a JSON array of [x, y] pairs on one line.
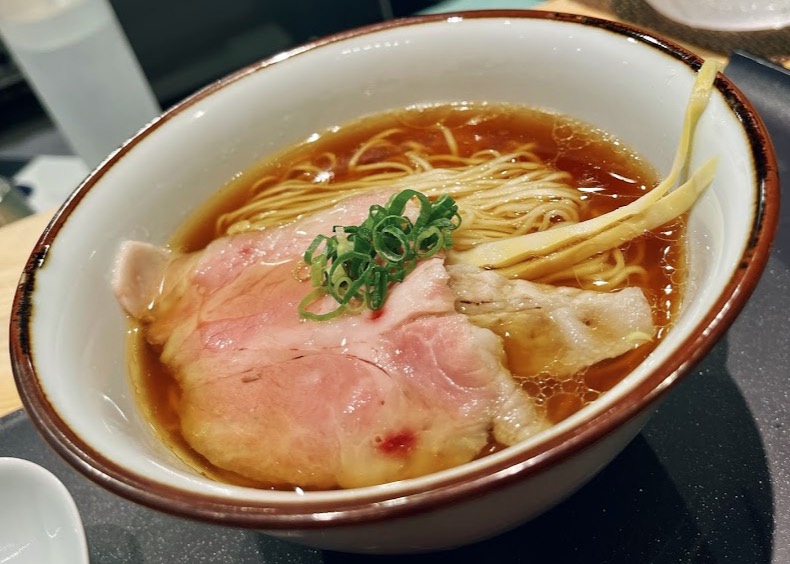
[[510, 252]]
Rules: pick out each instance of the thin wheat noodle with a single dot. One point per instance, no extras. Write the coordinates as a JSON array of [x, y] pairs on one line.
[[520, 216]]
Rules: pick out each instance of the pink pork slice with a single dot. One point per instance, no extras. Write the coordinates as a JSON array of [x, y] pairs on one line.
[[358, 400]]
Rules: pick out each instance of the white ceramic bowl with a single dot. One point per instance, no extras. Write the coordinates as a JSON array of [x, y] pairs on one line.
[[68, 334]]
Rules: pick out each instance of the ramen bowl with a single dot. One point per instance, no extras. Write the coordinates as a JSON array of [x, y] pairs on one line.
[[68, 335]]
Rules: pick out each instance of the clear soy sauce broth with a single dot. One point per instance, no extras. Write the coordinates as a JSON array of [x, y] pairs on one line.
[[609, 174]]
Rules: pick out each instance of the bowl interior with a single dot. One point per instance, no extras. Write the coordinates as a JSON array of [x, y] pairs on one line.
[[616, 81]]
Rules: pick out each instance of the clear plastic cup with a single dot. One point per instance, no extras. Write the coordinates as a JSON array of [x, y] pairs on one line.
[[79, 62]]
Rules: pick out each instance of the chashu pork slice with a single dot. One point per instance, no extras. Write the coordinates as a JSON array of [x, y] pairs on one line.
[[558, 330], [354, 401]]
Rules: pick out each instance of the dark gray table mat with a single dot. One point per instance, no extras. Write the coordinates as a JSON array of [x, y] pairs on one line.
[[707, 481]]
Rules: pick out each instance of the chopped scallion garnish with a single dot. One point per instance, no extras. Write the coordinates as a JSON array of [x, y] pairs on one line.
[[359, 264]]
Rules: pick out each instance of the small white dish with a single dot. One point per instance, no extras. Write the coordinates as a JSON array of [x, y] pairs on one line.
[[726, 15], [39, 521]]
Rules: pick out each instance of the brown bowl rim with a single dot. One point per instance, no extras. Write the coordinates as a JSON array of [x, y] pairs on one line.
[[381, 506]]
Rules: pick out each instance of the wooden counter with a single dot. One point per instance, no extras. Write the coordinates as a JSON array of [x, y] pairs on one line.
[[16, 242]]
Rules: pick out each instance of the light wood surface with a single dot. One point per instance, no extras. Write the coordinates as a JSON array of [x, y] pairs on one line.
[[17, 240]]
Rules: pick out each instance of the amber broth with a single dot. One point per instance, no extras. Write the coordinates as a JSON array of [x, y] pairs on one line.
[[610, 174]]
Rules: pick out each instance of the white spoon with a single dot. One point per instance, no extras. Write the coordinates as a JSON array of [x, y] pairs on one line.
[[39, 521]]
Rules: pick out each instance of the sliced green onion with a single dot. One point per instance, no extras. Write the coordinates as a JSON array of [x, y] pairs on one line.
[[358, 265]]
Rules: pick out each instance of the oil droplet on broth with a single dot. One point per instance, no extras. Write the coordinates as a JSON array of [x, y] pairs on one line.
[[562, 405]]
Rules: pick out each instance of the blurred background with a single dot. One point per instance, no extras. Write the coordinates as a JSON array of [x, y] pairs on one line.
[[183, 48]]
